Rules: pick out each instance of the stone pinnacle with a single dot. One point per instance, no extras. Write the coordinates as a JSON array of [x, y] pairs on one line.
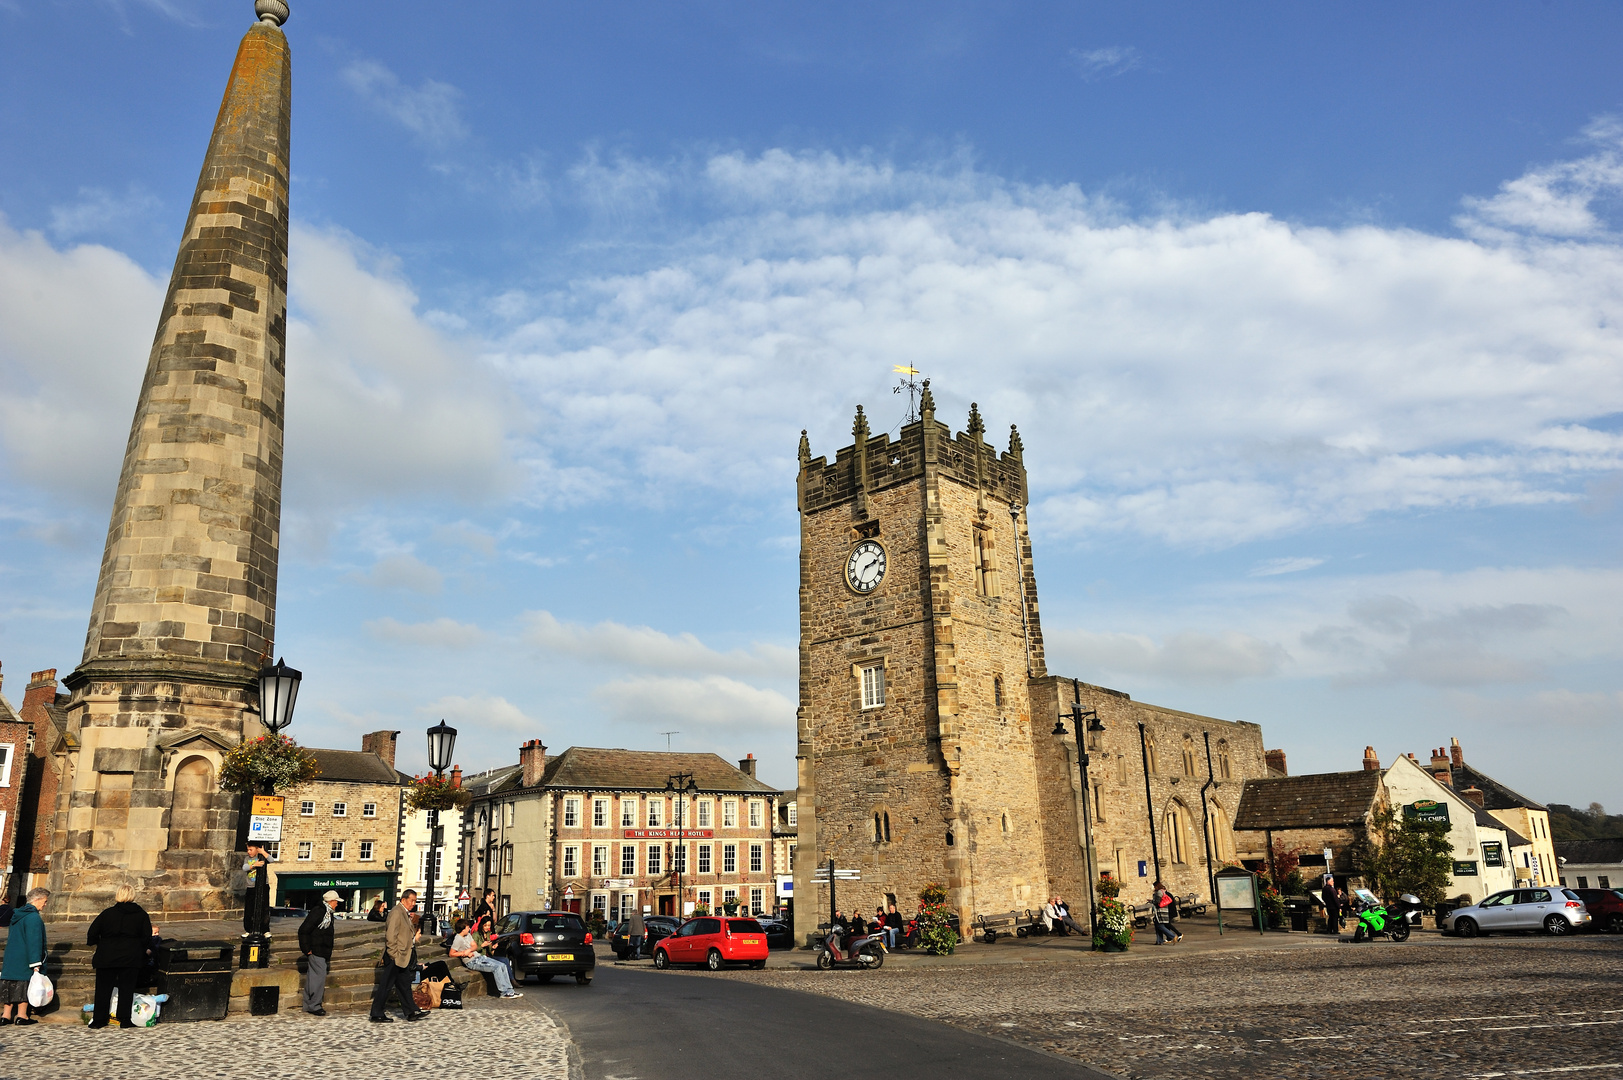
[[271, 11]]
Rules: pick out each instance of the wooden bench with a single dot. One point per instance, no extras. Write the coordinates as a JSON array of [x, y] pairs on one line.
[[992, 927], [1191, 905]]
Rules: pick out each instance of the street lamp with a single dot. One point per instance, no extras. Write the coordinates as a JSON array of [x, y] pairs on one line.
[[1087, 723], [441, 745], [683, 784], [278, 690]]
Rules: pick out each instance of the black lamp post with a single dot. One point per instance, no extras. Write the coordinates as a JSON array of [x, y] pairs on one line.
[[441, 745], [278, 692], [1086, 722], [683, 785]]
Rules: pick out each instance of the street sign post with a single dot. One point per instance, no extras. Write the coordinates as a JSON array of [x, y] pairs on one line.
[[265, 819]]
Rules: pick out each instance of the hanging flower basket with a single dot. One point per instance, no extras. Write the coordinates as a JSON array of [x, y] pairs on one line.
[[1115, 930], [432, 793], [273, 762]]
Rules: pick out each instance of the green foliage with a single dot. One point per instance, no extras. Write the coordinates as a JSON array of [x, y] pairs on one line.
[[273, 762], [935, 927], [428, 793], [1109, 887], [1288, 868], [1406, 856], [1273, 903], [1571, 823], [729, 906], [1115, 924], [700, 909], [596, 924]]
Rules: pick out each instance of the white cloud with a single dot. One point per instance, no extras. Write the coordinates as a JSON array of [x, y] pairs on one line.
[[480, 713], [440, 634], [1095, 65], [98, 211], [429, 110], [649, 649], [1275, 567], [1557, 199], [1239, 377], [710, 705], [1182, 657], [402, 572]]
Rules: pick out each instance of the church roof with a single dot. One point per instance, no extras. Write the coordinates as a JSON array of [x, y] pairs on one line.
[[1311, 801], [354, 766]]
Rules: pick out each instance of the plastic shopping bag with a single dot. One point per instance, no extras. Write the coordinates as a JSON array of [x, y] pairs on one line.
[[40, 990], [143, 1011]]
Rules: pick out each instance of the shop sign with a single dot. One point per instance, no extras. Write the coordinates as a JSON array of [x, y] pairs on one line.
[[265, 821], [1465, 869], [668, 834], [1493, 853], [1426, 810], [335, 883], [617, 883]]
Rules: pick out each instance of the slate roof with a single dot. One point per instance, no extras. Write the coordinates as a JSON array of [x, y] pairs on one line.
[[1316, 800], [1495, 795], [7, 713], [490, 780], [355, 766], [587, 767], [1591, 852]]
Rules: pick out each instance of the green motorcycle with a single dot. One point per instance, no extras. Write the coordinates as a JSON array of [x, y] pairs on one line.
[[1376, 919]]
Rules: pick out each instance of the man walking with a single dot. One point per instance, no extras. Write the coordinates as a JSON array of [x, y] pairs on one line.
[[399, 949], [315, 941], [636, 932]]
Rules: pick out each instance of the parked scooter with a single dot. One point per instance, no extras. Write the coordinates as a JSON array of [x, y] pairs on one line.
[[1378, 920], [867, 951]]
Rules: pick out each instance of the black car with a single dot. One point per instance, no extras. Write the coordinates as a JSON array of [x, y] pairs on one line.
[[654, 928], [779, 935], [546, 943]]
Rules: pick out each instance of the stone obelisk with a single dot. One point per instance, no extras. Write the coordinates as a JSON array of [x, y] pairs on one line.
[[185, 607]]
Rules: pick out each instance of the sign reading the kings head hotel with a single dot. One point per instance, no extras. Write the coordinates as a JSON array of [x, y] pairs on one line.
[[668, 834]]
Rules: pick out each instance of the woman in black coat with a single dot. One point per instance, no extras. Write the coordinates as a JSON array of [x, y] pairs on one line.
[[121, 935]]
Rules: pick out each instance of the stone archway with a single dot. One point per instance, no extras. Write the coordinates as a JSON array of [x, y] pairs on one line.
[[190, 806]]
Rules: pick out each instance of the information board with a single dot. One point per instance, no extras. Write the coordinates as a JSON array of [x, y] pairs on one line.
[[265, 820], [1237, 893]]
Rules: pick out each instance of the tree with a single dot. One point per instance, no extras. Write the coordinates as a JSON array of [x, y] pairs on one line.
[[1403, 855]]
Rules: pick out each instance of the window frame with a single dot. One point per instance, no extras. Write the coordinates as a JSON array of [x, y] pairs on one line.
[[656, 813], [654, 860], [600, 865], [340, 809], [366, 850], [335, 851], [729, 813], [757, 816], [569, 864], [369, 810], [704, 814], [307, 808], [10, 751], [705, 862], [729, 859], [872, 677], [628, 855], [757, 858], [571, 817], [628, 811], [600, 812], [794, 814], [306, 851]]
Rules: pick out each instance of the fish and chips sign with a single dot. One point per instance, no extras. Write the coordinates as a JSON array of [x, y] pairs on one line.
[[1426, 811]]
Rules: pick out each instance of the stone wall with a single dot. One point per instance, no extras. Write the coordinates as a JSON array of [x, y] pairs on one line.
[[321, 828]]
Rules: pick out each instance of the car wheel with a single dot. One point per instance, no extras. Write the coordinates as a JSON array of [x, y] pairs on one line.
[[541, 978], [623, 954], [1556, 925], [1614, 925], [825, 959], [713, 961], [583, 979], [757, 964], [1465, 926], [661, 959]]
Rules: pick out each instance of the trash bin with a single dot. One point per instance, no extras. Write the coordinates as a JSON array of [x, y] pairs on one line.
[[197, 977], [264, 1000], [1297, 909]]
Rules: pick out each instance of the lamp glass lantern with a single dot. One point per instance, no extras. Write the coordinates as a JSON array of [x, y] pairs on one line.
[[278, 691], [441, 746]]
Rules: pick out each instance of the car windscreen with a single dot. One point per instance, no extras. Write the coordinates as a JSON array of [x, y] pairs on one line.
[[744, 926], [556, 923]]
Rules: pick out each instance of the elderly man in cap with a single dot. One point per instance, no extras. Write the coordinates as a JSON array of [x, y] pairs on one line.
[[315, 941]]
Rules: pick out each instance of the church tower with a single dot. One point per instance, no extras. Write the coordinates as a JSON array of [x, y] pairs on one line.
[[918, 637], [185, 607]]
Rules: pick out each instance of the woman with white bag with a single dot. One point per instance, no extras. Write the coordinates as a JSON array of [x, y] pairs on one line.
[[25, 959], [121, 935]]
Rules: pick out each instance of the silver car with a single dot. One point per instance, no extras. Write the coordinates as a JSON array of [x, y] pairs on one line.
[[1553, 910]]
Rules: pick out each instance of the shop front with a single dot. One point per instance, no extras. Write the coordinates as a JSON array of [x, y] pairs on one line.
[[358, 890]]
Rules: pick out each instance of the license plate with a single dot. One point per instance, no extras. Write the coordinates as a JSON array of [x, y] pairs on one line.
[[560, 956], [752, 941]]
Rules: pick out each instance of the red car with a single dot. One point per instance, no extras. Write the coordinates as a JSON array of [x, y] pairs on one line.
[[1605, 907], [713, 941]]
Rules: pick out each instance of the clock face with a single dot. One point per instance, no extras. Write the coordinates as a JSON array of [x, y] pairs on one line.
[[865, 568]]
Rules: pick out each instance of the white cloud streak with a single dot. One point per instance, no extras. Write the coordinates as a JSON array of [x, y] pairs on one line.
[[430, 110], [1096, 65]]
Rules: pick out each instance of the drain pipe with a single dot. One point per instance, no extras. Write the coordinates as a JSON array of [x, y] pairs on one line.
[[1206, 817], [1149, 804]]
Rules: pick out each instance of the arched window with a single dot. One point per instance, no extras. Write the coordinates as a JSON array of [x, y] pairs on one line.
[[189, 809], [1222, 834], [997, 692], [1005, 824], [881, 825], [878, 833], [1149, 754], [1177, 837], [985, 564], [1121, 768], [1222, 759], [1188, 756]]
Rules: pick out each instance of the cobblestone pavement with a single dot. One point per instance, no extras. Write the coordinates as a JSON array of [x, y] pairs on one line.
[[1432, 1007], [487, 1039]]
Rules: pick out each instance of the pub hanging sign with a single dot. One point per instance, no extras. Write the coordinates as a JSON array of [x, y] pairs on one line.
[[1426, 810]]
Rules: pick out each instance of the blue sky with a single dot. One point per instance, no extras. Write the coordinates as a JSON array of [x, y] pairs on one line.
[[1309, 317]]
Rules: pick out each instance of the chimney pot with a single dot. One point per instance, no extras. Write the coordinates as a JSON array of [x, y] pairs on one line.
[[1275, 760], [532, 759], [1474, 795], [747, 766], [456, 776], [1372, 763], [1456, 754]]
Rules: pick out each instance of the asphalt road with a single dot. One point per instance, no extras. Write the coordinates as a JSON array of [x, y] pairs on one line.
[[634, 1023]]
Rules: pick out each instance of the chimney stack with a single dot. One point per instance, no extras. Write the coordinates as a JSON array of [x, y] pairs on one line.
[[381, 743], [1372, 763], [1455, 753], [1440, 768], [1473, 794], [1275, 760], [456, 776], [532, 756], [747, 766]]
